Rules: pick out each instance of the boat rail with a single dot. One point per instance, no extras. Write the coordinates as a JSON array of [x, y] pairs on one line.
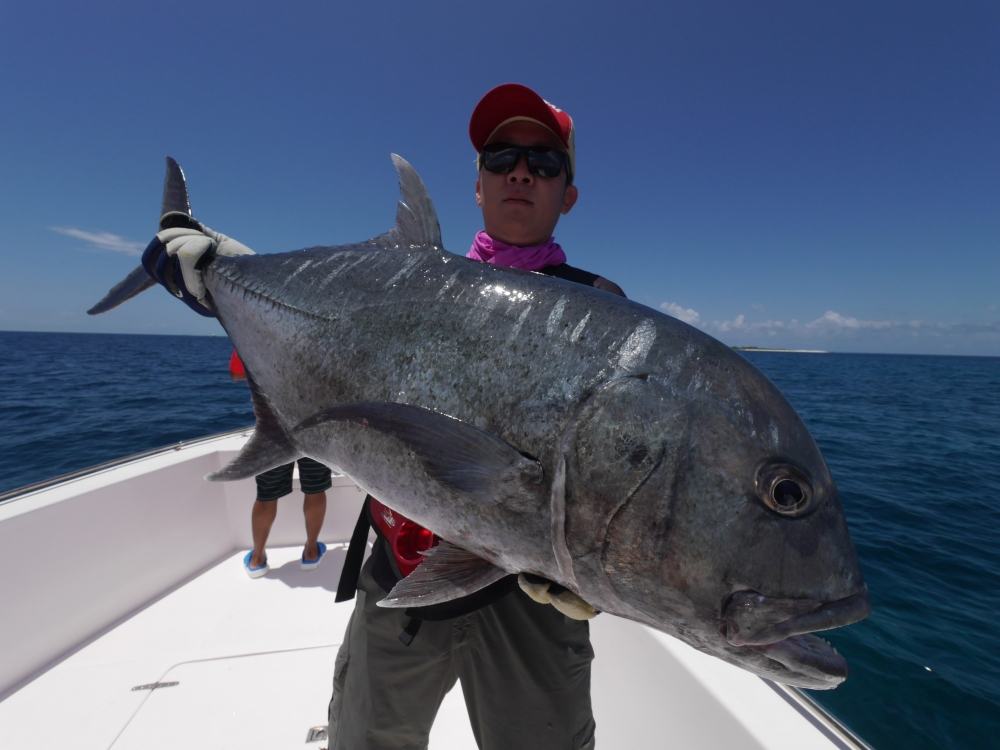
[[24, 490], [832, 727]]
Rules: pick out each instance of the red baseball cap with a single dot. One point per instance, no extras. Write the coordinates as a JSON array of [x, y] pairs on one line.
[[512, 101]]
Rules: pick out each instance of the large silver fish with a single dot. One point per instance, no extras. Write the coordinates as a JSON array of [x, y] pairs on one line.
[[543, 426]]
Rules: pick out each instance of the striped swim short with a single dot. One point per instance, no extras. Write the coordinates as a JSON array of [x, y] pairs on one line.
[[277, 482]]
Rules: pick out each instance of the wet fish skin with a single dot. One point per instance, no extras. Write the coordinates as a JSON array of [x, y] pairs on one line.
[[545, 427]]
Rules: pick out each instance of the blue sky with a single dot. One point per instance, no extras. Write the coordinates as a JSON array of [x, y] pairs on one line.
[[801, 174]]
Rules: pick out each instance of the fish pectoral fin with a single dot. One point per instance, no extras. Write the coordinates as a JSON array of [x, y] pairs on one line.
[[453, 452], [269, 446], [447, 572]]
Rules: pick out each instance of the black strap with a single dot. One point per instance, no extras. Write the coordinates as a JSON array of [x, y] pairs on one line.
[[458, 607], [348, 585], [410, 630], [570, 273]]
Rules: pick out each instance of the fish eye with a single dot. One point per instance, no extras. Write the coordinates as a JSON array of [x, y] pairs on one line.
[[784, 489], [787, 493]]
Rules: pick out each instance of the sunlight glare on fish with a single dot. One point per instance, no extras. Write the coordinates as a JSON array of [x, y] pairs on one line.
[[512, 295], [633, 352]]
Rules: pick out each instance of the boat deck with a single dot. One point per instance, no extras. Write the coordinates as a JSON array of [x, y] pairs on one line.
[[243, 662], [214, 659], [247, 663]]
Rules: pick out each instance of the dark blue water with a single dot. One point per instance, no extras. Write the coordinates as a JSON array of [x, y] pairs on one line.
[[913, 442], [914, 445], [68, 401]]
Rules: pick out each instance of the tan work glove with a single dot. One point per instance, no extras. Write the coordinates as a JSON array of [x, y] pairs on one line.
[[545, 591], [189, 246]]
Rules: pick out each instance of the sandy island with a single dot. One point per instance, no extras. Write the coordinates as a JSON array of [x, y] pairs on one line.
[[769, 349]]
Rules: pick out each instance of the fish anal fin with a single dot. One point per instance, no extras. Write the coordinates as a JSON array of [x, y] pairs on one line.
[[269, 446]]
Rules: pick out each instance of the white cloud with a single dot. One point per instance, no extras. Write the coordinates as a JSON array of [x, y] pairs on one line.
[[740, 323], [834, 320], [736, 324], [829, 322], [687, 314], [102, 240], [836, 330]]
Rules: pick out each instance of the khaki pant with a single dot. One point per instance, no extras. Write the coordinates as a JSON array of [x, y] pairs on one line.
[[524, 668]]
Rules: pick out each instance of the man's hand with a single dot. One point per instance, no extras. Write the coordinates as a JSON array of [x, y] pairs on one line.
[[179, 253], [545, 591]]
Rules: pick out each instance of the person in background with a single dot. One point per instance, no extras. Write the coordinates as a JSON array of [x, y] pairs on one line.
[[274, 484], [524, 665]]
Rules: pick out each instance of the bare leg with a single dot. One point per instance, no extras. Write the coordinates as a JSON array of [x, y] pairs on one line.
[[314, 510], [261, 520]]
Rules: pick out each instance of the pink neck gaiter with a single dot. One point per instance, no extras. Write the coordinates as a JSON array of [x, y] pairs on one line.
[[530, 258]]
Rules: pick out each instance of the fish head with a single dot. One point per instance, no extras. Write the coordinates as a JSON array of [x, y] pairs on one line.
[[715, 518]]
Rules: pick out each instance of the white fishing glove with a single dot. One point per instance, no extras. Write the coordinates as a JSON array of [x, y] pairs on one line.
[[545, 591], [191, 248]]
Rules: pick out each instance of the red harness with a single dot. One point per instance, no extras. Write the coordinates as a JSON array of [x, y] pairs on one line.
[[406, 538]]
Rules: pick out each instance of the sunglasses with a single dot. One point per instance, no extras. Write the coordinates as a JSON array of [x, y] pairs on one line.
[[501, 158]]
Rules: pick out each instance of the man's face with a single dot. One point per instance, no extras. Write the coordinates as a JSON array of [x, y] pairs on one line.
[[521, 208]]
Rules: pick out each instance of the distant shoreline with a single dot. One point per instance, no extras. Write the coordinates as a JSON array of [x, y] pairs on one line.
[[769, 349]]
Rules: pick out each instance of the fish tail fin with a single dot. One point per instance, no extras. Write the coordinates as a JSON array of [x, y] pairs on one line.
[[135, 283], [175, 211]]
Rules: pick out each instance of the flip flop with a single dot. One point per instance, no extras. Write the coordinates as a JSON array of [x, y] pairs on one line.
[[313, 564], [254, 572]]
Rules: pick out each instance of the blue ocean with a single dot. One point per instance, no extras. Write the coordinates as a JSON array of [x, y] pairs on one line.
[[913, 443]]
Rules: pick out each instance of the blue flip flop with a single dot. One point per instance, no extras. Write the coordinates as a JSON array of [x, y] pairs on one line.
[[254, 572], [313, 564]]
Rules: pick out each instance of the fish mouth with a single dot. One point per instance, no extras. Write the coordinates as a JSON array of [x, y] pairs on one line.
[[782, 630]]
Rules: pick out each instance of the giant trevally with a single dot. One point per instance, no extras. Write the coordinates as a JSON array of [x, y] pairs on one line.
[[544, 427]]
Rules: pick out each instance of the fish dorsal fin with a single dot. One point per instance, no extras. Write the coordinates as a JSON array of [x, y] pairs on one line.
[[446, 573], [416, 220], [269, 446]]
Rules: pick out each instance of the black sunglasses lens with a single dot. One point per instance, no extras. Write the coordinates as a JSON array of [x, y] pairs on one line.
[[501, 161], [544, 162]]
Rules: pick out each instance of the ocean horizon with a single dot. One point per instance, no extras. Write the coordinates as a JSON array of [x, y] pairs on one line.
[[738, 347]]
